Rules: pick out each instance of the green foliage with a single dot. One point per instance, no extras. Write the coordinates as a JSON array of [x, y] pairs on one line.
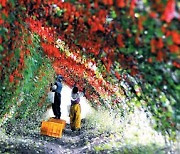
[[26, 97], [123, 131], [113, 14]]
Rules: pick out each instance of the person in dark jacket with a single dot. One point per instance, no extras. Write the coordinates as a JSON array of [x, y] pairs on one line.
[[57, 88]]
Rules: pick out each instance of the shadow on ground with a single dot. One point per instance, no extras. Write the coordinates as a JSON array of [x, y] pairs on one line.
[[24, 138], [21, 139]]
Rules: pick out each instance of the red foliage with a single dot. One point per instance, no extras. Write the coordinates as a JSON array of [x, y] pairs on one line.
[[27, 52], [150, 60], [156, 44], [45, 32], [175, 37], [176, 64], [96, 3], [128, 32], [96, 23], [50, 50], [160, 56], [120, 3], [153, 45], [159, 43], [120, 40], [3, 2], [132, 7], [107, 2], [134, 71], [89, 29], [29, 41], [137, 39], [1, 20], [118, 76], [153, 14], [169, 11], [141, 19], [174, 48], [11, 78]]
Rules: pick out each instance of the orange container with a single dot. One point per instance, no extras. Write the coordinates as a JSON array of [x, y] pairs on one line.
[[51, 129], [60, 121]]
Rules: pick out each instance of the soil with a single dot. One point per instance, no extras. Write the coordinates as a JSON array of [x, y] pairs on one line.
[[30, 141]]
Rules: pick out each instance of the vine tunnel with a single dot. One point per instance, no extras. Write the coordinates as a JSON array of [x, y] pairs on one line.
[[122, 52]]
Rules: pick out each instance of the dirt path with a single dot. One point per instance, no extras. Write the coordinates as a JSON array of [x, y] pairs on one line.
[[31, 142], [26, 139]]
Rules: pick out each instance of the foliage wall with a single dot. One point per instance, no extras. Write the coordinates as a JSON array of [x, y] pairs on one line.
[[121, 51]]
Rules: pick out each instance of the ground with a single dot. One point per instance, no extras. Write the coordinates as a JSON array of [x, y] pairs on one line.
[[25, 138], [71, 142]]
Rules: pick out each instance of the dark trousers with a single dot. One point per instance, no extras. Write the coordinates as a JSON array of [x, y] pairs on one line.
[[56, 105]]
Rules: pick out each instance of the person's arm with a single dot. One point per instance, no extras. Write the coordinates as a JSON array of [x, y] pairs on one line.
[[54, 87], [82, 93]]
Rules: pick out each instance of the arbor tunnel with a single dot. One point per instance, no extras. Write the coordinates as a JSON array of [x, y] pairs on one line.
[[124, 53]]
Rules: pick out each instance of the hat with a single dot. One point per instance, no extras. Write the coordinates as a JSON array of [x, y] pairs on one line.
[[59, 78]]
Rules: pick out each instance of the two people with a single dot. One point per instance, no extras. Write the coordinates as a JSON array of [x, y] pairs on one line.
[[75, 109]]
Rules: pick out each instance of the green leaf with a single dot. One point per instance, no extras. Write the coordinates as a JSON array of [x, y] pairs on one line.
[[1, 48], [23, 8], [169, 40], [113, 14], [159, 33], [59, 13], [72, 1], [134, 28], [12, 2], [177, 87]]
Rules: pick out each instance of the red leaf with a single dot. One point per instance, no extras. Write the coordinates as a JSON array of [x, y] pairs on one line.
[[3, 2], [160, 43], [11, 78], [174, 48], [153, 44], [108, 2], [176, 64], [120, 3], [1, 20], [175, 37], [132, 7], [153, 14], [160, 56], [140, 23], [150, 60], [120, 40], [169, 11], [118, 76]]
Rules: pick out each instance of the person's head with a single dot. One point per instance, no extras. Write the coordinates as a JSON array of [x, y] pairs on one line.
[[59, 78], [75, 90]]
